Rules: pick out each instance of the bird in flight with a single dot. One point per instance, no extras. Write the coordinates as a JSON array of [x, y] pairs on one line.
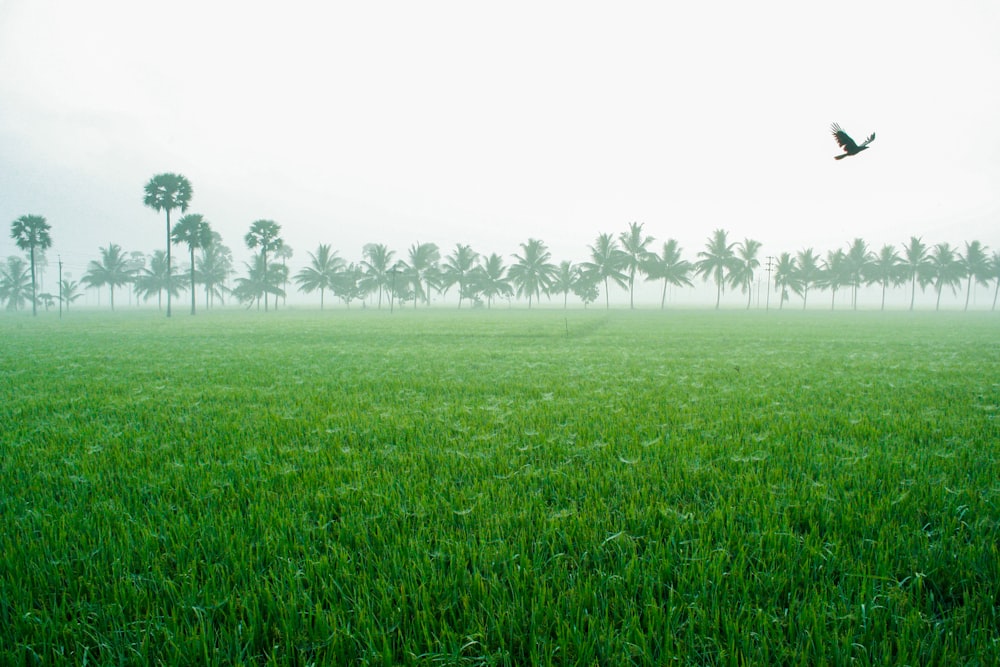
[[850, 148]]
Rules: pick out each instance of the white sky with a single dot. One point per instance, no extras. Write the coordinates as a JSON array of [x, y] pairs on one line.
[[491, 123]]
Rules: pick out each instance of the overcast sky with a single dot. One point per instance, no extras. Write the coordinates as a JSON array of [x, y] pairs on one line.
[[492, 123]]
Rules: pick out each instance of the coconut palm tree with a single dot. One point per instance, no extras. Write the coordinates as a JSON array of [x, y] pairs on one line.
[[113, 270], [322, 272], [786, 276], [31, 234], [976, 264], [607, 262], [717, 261], [884, 269], [634, 255], [669, 267], [376, 264], [490, 279], [165, 192], [423, 270], [284, 253], [195, 231], [15, 281], [745, 262], [261, 279], [457, 267], [266, 235], [807, 272], [215, 265], [155, 279], [563, 280], [946, 270], [69, 291], [834, 273], [857, 259], [916, 266], [995, 276], [532, 273]]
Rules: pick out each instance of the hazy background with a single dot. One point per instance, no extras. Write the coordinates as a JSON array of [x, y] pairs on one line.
[[492, 123]]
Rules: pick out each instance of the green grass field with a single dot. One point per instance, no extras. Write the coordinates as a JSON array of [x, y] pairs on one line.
[[500, 488]]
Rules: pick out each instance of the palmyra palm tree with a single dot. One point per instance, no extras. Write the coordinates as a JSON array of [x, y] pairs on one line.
[[165, 192], [850, 148], [31, 232], [195, 231]]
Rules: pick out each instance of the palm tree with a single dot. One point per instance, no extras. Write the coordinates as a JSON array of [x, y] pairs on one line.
[[884, 269], [165, 192], [946, 270], [264, 234], [70, 291], [490, 279], [717, 261], [215, 265], [857, 260], [995, 275], [457, 267], [976, 264], [155, 279], [423, 270], [349, 284], [916, 266], [532, 273], [261, 279], [563, 280], [377, 263], [634, 255], [113, 270], [744, 263], [786, 276], [834, 273], [15, 279], [136, 263], [606, 263], [807, 272], [31, 232], [668, 267], [322, 272], [194, 230], [284, 253]]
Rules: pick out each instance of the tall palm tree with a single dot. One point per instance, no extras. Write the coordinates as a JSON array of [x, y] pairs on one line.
[[195, 231], [669, 267], [15, 279], [284, 253], [834, 273], [457, 267], [113, 270], [916, 266], [165, 192], [31, 233], [884, 269], [532, 273], [606, 263], [490, 279], [215, 265], [377, 263], [807, 272], [266, 235], [717, 261], [857, 260], [322, 272], [946, 270], [136, 263], [745, 262], [155, 279], [424, 258], [786, 276], [976, 264], [635, 253]]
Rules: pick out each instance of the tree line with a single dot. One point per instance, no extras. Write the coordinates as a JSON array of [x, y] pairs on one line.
[[392, 280]]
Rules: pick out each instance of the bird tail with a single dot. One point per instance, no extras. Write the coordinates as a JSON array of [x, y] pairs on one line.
[[840, 157]]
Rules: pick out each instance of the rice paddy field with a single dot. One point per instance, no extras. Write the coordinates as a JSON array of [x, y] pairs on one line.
[[500, 488]]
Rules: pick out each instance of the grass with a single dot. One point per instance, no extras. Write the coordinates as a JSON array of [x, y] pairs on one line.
[[500, 488]]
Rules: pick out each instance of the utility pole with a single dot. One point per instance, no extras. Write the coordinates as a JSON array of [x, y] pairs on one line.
[[59, 257]]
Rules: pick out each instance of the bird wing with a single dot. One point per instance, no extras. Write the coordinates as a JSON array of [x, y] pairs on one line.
[[843, 139], [869, 140]]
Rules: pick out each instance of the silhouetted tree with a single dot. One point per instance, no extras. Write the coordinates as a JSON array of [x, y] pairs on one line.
[[376, 264], [215, 265], [31, 234], [165, 192], [456, 269], [113, 270], [807, 272], [945, 270], [717, 261], [532, 273], [563, 279], [857, 259], [976, 266], [158, 278], [195, 231], [15, 282], [786, 277], [744, 264], [669, 267], [885, 270], [321, 274], [423, 270], [834, 273], [607, 262], [916, 265], [266, 235], [635, 253], [489, 279]]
